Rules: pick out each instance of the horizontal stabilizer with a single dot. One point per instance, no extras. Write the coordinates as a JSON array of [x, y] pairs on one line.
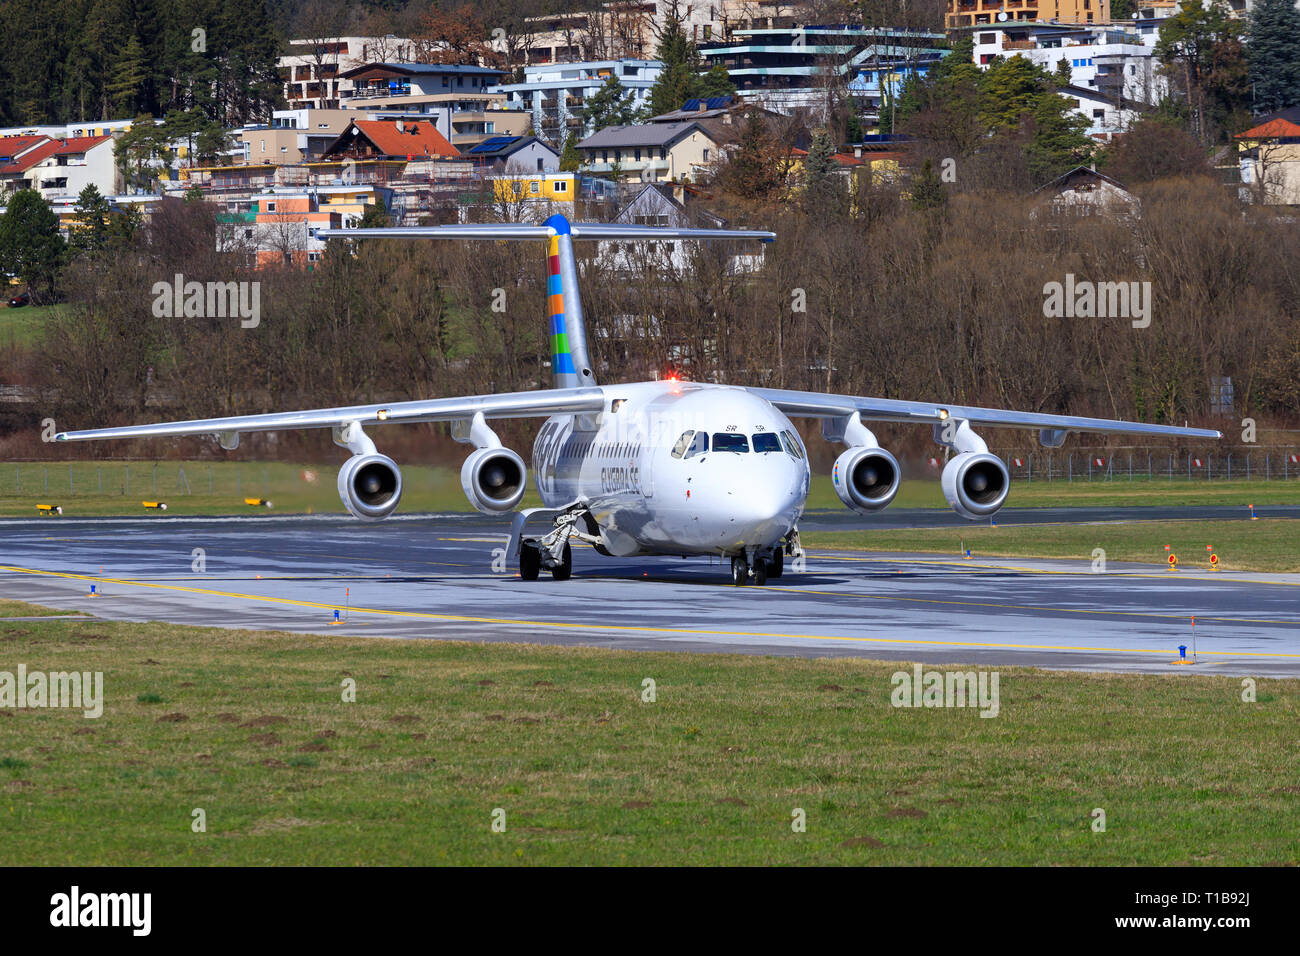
[[510, 230]]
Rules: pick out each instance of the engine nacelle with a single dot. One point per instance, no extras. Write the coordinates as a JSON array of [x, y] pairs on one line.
[[370, 486], [866, 479], [494, 480], [975, 484]]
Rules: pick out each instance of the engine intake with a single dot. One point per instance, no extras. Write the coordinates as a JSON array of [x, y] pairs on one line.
[[866, 479], [976, 484], [494, 480], [370, 486]]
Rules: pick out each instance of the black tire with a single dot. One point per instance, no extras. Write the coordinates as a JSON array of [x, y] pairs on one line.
[[564, 570], [530, 562], [739, 571], [760, 572], [776, 567]]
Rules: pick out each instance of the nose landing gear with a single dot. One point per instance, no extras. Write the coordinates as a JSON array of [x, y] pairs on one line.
[[766, 564], [739, 571]]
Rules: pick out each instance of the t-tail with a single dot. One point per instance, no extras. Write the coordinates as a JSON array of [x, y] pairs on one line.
[[571, 365]]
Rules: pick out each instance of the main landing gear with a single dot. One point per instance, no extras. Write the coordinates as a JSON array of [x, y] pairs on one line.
[[552, 551]]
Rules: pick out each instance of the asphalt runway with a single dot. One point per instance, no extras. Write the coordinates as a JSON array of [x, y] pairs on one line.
[[439, 577]]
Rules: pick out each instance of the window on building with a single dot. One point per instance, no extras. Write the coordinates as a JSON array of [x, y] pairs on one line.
[[540, 161], [560, 185], [270, 207], [706, 154], [534, 187]]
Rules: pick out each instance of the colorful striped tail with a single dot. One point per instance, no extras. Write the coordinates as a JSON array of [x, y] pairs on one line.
[[570, 365]]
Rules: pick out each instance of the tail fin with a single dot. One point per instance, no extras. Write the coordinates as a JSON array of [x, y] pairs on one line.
[[570, 360]]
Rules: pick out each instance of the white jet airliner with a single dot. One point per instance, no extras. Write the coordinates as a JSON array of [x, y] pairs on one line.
[[663, 467]]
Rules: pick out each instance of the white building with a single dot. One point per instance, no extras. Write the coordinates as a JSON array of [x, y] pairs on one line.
[[555, 93], [59, 169], [313, 70], [1113, 69]]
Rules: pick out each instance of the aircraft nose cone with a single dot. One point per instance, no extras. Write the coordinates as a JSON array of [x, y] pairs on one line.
[[765, 502]]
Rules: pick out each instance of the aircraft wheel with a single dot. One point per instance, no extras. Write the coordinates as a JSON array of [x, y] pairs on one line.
[[739, 570], [564, 570], [776, 567], [530, 562], [760, 572]]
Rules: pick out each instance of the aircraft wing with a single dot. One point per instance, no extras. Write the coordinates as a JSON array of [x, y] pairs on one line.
[[537, 404], [1053, 428]]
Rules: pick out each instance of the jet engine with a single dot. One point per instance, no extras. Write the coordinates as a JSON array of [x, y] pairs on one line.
[[494, 480], [866, 479], [975, 484], [370, 486]]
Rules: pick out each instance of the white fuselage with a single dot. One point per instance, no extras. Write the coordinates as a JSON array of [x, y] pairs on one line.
[[677, 468]]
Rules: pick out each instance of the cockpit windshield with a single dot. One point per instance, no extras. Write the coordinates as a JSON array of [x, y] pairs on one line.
[[730, 441], [766, 441], [691, 444]]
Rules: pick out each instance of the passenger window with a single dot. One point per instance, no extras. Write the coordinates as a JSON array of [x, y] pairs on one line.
[[730, 441], [682, 443], [699, 446], [766, 441]]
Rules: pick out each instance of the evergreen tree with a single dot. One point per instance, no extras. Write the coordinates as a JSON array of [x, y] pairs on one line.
[[30, 245], [716, 81], [823, 189], [1201, 44], [611, 105], [1273, 55], [374, 217], [90, 233], [136, 150], [123, 227], [928, 191], [129, 72], [570, 158], [680, 80]]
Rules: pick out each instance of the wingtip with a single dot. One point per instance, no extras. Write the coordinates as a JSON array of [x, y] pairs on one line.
[[61, 436]]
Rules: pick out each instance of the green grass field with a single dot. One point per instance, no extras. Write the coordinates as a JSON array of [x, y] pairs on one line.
[[1263, 545], [23, 327], [116, 488], [215, 488], [251, 728]]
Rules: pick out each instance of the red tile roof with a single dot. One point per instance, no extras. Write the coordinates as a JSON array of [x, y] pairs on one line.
[[1273, 129], [30, 158], [46, 147], [417, 139], [844, 159], [80, 144]]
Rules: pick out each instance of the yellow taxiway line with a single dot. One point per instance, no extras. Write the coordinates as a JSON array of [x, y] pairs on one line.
[[620, 628]]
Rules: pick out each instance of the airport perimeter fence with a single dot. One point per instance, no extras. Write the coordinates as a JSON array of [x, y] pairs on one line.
[[1142, 464]]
